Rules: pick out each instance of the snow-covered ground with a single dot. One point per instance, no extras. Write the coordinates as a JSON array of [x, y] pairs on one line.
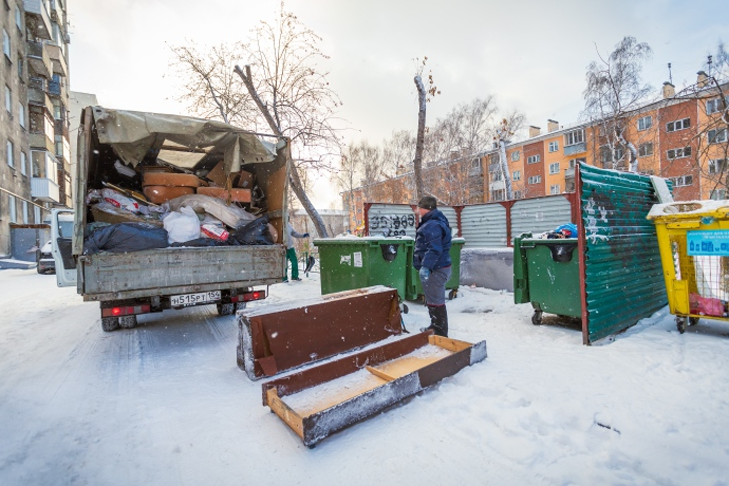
[[166, 404]]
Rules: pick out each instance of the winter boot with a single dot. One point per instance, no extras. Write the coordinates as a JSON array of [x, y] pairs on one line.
[[438, 321]]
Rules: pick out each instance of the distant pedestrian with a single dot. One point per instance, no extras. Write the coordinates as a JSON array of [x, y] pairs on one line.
[[433, 261], [291, 251]]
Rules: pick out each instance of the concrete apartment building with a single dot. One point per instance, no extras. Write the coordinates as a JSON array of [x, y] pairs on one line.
[[35, 174], [681, 137]]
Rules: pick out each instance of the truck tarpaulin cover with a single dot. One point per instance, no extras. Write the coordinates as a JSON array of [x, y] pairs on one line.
[[124, 237], [132, 134]]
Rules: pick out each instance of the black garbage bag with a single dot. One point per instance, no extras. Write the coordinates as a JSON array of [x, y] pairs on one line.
[[125, 237], [254, 233]]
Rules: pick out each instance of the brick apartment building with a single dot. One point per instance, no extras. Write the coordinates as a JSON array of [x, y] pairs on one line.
[[681, 137]]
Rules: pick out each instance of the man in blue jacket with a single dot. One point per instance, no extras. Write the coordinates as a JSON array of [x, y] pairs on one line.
[[433, 260]]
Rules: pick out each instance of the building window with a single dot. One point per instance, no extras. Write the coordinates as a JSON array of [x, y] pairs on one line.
[[498, 195], [516, 175], [25, 212], [13, 209], [717, 166], [645, 149], [23, 164], [718, 194], [574, 162], [716, 136], [21, 114], [515, 155], [679, 153], [37, 215], [645, 123], [554, 168], [535, 179], [678, 125], [554, 189], [715, 105], [574, 137], [9, 153], [533, 159], [20, 66], [8, 99], [553, 146], [18, 18], [518, 195], [496, 177], [680, 181], [6, 44]]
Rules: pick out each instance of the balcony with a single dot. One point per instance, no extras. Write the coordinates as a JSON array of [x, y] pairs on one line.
[[496, 167], [38, 19], [59, 62], [44, 190], [575, 149], [42, 141], [39, 60], [569, 173]]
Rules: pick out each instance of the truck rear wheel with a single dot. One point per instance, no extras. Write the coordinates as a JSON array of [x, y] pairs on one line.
[[109, 324], [128, 322]]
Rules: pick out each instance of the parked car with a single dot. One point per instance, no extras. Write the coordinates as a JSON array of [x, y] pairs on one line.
[[46, 264]]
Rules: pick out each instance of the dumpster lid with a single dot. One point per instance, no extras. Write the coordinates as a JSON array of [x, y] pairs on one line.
[[347, 240], [689, 209]]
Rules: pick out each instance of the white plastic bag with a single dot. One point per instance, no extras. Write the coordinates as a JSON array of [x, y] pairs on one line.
[[182, 225], [120, 200]]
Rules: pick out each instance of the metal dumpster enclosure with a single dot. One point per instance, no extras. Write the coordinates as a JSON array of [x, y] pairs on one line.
[[621, 269]]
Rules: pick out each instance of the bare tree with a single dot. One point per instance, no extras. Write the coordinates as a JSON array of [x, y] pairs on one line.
[[283, 88], [423, 97], [211, 89], [614, 88], [397, 152]]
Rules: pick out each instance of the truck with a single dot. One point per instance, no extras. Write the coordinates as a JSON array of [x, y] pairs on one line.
[[113, 146]]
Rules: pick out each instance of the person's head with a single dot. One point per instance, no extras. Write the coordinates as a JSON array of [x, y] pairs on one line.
[[426, 204]]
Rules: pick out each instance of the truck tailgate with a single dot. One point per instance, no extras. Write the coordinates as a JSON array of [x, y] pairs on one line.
[[168, 271]]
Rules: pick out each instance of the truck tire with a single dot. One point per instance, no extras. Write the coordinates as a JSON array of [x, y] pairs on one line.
[[128, 322], [226, 309], [109, 324]]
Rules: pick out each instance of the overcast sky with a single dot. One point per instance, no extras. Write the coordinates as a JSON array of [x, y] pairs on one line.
[[531, 55]]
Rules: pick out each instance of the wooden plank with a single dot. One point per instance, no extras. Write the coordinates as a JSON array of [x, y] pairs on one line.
[[316, 375], [448, 343], [406, 365], [380, 374], [289, 416], [301, 334]]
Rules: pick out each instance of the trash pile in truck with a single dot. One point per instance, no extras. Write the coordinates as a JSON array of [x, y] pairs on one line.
[[154, 184]]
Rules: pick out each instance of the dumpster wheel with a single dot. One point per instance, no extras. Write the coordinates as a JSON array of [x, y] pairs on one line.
[[681, 323], [537, 317]]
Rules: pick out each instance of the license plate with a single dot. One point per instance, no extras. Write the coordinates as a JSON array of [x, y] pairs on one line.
[[193, 299]]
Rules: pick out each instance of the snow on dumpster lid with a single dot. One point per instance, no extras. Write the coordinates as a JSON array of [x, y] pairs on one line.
[[688, 208]]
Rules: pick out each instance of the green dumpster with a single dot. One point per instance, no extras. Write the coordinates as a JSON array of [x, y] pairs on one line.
[[546, 274], [415, 288], [353, 263]]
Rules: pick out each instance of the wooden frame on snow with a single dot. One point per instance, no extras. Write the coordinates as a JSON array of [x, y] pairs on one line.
[[323, 399]]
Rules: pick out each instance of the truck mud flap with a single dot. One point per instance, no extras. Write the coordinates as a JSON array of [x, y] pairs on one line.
[[324, 399], [280, 338]]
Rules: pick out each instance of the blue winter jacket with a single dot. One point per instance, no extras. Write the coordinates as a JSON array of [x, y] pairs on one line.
[[433, 242]]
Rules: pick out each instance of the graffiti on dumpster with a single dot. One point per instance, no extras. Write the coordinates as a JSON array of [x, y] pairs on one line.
[[391, 225]]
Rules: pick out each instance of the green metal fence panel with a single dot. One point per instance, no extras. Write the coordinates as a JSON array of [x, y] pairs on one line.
[[623, 273]]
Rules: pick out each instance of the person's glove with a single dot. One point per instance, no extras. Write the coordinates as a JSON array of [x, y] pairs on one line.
[[424, 274], [306, 235]]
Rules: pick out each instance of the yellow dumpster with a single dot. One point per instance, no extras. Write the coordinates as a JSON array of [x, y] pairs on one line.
[[693, 240]]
